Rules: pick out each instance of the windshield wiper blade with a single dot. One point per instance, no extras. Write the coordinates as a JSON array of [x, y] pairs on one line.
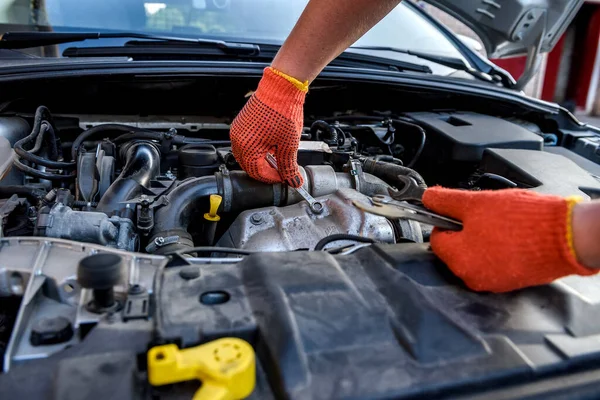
[[156, 49], [451, 62], [23, 40]]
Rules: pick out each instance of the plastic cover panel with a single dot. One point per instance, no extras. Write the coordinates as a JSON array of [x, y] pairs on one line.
[[464, 136], [388, 321], [544, 172]]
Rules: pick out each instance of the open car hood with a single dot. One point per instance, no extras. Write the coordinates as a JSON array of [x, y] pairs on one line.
[[513, 27]]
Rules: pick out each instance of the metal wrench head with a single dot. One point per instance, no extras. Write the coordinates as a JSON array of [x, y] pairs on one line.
[[410, 192], [314, 205]]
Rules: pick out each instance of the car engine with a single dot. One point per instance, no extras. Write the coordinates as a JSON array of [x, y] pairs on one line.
[[117, 235], [146, 190]]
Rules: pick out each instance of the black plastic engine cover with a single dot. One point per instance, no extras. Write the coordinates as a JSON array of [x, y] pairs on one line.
[[463, 136], [541, 171], [385, 322]]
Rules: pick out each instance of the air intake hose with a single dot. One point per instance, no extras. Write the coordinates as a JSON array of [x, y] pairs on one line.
[[142, 165], [186, 203]]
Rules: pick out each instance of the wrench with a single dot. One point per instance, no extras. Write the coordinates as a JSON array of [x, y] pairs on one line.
[[315, 206], [410, 192]]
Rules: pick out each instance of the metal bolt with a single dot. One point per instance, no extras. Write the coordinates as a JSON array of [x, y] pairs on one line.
[[172, 132], [159, 241], [256, 219], [317, 207], [170, 175], [136, 289]]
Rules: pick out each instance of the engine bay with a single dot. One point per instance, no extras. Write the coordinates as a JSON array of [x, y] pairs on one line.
[[122, 233], [148, 190]]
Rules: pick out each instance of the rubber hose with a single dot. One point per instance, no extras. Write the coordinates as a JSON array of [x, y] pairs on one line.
[[389, 172], [31, 193], [101, 128], [328, 132], [39, 141], [32, 158], [43, 114], [183, 202], [388, 158], [142, 165], [41, 174]]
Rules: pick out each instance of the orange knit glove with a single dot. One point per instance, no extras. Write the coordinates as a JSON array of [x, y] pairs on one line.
[[511, 238], [271, 121]]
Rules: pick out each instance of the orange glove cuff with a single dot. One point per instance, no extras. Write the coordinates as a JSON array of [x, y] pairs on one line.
[[282, 95], [302, 86], [511, 238]]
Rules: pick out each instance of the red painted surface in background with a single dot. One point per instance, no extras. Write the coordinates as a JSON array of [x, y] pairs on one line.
[[586, 50], [552, 70], [514, 65], [582, 63]]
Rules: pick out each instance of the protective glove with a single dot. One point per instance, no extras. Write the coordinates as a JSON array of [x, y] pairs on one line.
[[271, 121], [511, 238]]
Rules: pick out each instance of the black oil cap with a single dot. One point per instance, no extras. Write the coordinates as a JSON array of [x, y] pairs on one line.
[[51, 331], [198, 155], [99, 271]]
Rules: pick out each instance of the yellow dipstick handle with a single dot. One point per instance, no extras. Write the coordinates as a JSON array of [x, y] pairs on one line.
[[215, 203], [225, 366]]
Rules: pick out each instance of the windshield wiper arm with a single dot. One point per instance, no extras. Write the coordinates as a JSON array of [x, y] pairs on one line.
[[451, 62], [156, 49], [23, 40]]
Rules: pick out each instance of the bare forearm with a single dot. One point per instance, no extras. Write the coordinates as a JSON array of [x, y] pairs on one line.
[[325, 29], [586, 233]]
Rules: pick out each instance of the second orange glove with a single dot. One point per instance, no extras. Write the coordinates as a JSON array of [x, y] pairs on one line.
[[511, 238]]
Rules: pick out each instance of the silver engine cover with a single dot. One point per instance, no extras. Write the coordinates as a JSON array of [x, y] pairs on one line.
[[297, 227]]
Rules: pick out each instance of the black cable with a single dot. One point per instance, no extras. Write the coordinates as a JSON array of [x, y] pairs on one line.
[[32, 193], [498, 179], [401, 121], [32, 158], [42, 114], [41, 125], [205, 249], [40, 139], [341, 236], [41, 174], [139, 135], [421, 144], [390, 159], [178, 140]]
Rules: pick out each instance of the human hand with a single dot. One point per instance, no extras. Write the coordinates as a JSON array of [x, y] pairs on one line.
[[511, 238], [271, 121]]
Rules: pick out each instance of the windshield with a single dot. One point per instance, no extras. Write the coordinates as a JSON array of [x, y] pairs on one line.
[[247, 20]]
